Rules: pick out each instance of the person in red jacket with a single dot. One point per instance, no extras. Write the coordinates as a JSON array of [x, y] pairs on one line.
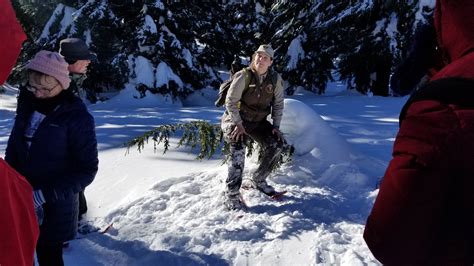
[[19, 229], [11, 38], [424, 212]]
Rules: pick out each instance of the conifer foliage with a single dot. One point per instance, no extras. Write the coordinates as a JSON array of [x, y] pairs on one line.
[[175, 47], [199, 134]]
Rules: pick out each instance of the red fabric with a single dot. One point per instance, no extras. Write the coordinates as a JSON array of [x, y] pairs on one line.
[[424, 212], [418, 214], [11, 38], [454, 23], [19, 229]]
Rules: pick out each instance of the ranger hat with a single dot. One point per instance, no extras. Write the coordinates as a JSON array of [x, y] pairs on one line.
[[74, 49], [267, 49]]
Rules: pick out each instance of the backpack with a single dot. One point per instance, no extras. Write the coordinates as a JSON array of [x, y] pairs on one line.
[[461, 94], [224, 88]]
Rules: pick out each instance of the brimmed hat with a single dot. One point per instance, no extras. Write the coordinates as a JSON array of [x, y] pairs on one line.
[[52, 64], [74, 49], [267, 49]]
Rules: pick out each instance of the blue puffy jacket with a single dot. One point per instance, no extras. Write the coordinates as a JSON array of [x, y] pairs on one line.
[[62, 160]]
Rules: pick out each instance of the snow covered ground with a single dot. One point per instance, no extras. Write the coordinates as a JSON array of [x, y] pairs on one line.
[[167, 209]]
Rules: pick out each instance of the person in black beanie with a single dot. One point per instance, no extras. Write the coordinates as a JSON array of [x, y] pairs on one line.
[[77, 54], [54, 146]]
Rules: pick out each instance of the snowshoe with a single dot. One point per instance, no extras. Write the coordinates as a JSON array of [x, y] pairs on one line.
[[276, 195], [85, 228], [263, 187]]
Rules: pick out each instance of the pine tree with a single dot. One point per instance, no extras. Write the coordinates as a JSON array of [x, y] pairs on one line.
[[96, 23], [304, 57], [182, 46]]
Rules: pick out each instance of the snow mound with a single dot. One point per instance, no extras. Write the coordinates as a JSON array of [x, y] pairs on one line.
[[309, 133], [321, 157]]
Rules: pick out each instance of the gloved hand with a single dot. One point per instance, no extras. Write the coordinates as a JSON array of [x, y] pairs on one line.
[[38, 200], [238, 133], [278, 135]]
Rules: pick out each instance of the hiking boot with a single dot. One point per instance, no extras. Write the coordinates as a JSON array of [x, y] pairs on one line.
[[262, 186], [233, 202]]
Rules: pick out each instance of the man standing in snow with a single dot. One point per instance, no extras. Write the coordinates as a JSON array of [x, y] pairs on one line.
[[254, 93], [77, 54], [424, 212]]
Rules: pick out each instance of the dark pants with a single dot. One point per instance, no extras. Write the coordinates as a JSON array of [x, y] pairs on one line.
[[50, 254], [261, 133]]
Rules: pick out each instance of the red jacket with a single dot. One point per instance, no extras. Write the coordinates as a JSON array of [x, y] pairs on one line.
[[11, 38], [18, 225], [424, 212]]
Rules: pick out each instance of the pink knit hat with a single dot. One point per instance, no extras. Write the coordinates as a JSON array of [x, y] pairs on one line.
[[52, 64]]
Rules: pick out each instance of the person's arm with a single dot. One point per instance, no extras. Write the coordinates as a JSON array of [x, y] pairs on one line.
[[407, 210], [278, 103], [234, 95], [84, 157], [11, 154]]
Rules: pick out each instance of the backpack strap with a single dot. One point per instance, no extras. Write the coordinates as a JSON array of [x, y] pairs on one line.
[[458, 91], [248, 77]]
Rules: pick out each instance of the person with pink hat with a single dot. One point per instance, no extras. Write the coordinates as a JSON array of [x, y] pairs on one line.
[[53, 145]]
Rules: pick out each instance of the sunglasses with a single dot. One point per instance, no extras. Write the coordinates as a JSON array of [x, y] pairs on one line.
[[34, 88]]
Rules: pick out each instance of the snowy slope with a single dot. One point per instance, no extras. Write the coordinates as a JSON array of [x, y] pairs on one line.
[[167, 209]]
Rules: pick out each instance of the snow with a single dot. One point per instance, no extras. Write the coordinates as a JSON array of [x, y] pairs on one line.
[[295, 52], [143, 70], [390, 29], [100, 10], [67, 20], [168, 210], [150, 25], [159, 4], [164, 74], [88, 37], [188, 57], [353, 9], [419, 13]]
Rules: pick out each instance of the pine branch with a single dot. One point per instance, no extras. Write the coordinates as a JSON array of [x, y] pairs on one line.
[[208, 137], [200, 134]]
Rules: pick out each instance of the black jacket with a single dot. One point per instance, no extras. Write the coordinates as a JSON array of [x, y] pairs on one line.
[[62, 160]]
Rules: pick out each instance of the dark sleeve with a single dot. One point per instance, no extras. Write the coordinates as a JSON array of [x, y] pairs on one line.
[[11, 155], [84, 160]]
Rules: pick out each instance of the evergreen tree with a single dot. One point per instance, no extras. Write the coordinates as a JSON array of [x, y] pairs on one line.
[[304, 57], [173, 49], [98, 25], [383, 34]]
